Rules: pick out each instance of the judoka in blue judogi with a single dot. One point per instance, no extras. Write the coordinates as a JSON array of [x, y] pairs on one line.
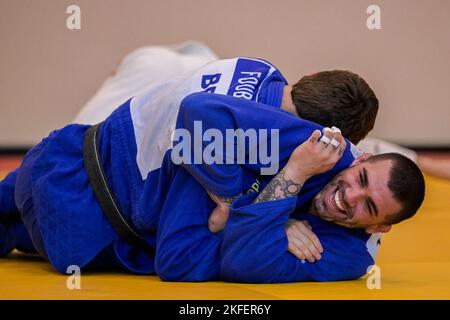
[[167, 203]]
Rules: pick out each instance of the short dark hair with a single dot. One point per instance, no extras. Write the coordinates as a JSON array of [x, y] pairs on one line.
[[406, 183], [337, 98]]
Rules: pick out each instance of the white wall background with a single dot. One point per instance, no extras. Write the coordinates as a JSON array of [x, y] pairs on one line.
[[48, 72]]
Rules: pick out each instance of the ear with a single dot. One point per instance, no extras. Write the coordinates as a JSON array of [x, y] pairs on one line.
[[361, 159], [379, 228]]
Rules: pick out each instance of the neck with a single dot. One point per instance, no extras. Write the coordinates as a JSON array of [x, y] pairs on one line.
[[286, 101]]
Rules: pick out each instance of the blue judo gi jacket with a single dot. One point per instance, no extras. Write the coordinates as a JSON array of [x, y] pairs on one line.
[[168, 204]]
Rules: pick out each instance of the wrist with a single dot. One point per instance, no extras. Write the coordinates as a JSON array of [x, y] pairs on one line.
[[295, 174], [287, 183]]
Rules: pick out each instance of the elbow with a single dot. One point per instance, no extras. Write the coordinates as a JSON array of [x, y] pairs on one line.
[[166, 267], [242, 270], [193, 104], [192, 107], [167, 276], [233, 272], [181, 266], [245, 260]]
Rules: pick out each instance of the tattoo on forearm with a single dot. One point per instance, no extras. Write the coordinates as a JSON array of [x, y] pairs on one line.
[[279, 188], [223, 200], [229, 200]]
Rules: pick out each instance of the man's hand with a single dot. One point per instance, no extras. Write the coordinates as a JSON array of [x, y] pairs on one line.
[[219, 216], [315, 155], [312, 157], [303, 243]]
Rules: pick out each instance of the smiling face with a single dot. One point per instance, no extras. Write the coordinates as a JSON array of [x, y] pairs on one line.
[[358, 197]]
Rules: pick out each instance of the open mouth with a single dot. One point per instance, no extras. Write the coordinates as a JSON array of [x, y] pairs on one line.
[[337, 202]]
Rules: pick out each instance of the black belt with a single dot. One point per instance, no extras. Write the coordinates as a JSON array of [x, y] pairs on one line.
[[104, 194]]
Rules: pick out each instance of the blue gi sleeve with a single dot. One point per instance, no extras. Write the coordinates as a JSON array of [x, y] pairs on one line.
[[186, 250], [254, 248], [7, 202], [219, 113]]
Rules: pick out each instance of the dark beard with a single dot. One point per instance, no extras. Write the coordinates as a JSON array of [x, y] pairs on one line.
[[332, 185]]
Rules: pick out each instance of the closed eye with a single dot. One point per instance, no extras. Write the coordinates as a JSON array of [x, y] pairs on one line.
[[369, 208], [364, 182], [371, 205], [361, 180]]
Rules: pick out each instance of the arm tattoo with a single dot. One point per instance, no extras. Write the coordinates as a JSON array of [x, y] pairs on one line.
[[279, 188], [227, 201]]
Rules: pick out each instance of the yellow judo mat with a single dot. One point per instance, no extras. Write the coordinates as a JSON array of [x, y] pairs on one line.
[[414, 262]]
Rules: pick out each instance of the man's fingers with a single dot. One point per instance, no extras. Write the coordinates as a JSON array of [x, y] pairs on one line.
[[302, 248], [302, 242], [336, 130], [311, 238], [314, 136], [335, 138], [295, 251], [327, 136], [338, 143], [302, 234], [306, 222], [296, 245], [307, 242]]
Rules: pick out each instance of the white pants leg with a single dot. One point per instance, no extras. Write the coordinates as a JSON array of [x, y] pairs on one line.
[[138, 71], [150, 65], [377, 146]]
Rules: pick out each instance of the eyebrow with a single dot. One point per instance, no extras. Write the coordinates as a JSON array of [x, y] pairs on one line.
[[372, 205]]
